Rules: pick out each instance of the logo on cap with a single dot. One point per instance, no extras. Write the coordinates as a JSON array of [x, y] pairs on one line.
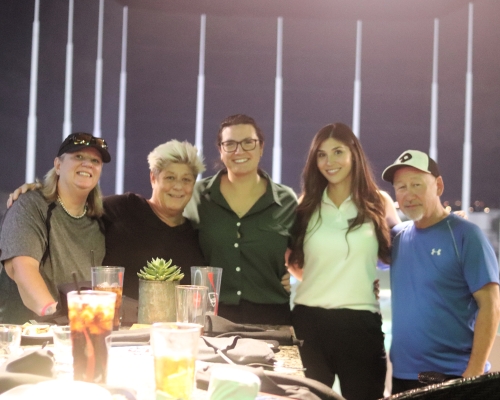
[[405, 157]]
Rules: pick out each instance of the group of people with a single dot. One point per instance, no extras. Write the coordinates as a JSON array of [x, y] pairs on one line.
[[444, 274]]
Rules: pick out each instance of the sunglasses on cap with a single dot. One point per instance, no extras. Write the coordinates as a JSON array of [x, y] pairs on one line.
[[86, 139]]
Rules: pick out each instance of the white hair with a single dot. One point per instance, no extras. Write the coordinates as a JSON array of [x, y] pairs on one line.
[[174, 151]]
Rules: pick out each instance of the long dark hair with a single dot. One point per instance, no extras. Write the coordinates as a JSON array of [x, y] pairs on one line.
[[364, 193]]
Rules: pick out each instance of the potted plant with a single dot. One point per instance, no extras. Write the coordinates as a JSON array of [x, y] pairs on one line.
[[157, 282]]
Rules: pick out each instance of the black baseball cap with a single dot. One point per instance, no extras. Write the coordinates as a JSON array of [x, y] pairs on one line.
[[81, 140]]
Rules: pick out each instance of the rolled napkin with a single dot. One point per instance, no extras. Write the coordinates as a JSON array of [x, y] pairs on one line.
[[215, 325], [237, 349], [231, 383]]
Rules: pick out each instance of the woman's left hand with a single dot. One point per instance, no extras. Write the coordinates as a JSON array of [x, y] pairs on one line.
[[285, 281]]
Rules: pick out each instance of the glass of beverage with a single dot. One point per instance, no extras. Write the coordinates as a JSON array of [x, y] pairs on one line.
[[10, 341], [63, 350], [91, 322], [175, 346], [110, 279], [211, 278], [191, 304]]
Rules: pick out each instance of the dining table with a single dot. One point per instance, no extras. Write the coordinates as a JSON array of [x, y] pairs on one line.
[[131, 365]]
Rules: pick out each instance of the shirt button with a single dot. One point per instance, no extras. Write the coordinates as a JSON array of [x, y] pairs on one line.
[[236, 245], [238, 292], [238, 223], [238, 269]]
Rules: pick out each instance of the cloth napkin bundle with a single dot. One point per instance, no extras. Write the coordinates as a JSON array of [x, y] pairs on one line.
[[221, 327], [237, 349]]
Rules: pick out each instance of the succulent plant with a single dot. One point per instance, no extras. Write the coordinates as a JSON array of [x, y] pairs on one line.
[[160, 270]]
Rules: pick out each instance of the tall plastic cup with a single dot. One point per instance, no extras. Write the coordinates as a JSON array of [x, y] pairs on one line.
[[191, 304], [175, 346], [211, 278], [91, 315], [110, 279]]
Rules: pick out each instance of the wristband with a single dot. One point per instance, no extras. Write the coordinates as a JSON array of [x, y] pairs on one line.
[[48, 310]]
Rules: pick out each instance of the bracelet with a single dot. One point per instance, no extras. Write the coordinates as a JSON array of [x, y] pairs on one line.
[[48, 310]]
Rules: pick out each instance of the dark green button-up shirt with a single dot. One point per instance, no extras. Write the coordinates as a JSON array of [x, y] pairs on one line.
[[249, 249]]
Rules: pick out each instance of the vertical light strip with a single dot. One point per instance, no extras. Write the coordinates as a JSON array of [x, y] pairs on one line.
[[278, 104], [200, 96], [69, 73], [466, 173], [98, 74], [356, 111], [433, 149], [120, 142], [31, 137]]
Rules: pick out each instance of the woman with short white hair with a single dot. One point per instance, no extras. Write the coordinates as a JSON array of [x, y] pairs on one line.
[[139, 229]]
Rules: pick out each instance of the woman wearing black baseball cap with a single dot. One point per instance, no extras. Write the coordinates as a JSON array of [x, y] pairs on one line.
[[50, 232]]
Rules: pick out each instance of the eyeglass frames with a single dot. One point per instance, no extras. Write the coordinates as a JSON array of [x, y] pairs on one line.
[[230, 146]]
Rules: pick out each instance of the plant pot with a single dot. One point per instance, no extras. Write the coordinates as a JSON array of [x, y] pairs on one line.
[[156, 301]]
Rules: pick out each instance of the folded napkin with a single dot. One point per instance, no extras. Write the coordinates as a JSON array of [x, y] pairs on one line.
[[276, 384], [36, 362], [237, 349], [131, 337], [221, 327]]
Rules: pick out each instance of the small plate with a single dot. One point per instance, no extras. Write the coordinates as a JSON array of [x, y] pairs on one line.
[[31, 332]]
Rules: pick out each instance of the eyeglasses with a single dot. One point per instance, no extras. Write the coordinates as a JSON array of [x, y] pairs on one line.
[[230, 146], [87, 139]]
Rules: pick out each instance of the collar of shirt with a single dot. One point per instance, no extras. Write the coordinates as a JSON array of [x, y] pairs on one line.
[[326, 199], [270, 196]]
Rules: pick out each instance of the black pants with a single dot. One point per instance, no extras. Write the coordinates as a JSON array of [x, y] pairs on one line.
[[253, 313], [402, 385], [343, 342]]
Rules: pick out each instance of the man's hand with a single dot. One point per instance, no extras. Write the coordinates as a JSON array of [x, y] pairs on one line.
[[485, 328], [461, 213], [20, 190]]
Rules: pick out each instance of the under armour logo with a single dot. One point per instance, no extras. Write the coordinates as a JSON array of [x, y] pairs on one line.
[[434, 251], [405, 157]]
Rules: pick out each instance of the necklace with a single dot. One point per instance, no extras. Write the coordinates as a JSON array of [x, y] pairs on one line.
[[71, 215]]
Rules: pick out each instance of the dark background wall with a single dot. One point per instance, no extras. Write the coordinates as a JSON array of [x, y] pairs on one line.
[[318, 75]]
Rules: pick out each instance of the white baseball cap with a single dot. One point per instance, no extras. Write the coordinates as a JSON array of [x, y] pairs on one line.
[[411, 158]]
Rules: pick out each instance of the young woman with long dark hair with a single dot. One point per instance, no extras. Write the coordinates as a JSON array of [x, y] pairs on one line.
[[340, 232]]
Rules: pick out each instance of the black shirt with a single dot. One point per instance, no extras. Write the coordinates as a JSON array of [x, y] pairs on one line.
[[134, 235]]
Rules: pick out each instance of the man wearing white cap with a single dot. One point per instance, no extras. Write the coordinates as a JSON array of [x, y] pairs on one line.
[[444, 281]]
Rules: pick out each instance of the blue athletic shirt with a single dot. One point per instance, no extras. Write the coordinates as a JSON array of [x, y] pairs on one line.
[[434, 273]]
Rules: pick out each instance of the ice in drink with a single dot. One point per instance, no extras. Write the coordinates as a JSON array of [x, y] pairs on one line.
[[175, 346], [118, 290], [175, 376], [91, 321]]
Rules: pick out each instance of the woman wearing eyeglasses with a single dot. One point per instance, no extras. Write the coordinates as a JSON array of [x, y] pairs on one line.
[[49, 233], [244, 219]]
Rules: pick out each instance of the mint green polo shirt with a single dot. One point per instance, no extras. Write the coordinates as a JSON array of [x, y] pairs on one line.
[[251, 249]]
